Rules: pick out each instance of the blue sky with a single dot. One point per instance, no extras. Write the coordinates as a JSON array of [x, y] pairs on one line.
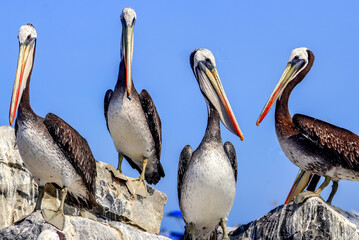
[[77, 59]]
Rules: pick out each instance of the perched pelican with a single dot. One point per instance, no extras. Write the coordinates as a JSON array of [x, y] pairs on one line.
[[51, 149], [206, 180], [132, 119], [313, 145]]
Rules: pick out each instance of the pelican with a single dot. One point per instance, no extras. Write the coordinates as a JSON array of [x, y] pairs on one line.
[[132, 118], [315, 146], [51, 149], [206, 180]]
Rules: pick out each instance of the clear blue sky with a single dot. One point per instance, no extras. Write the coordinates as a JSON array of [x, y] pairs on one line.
[[77, 59]]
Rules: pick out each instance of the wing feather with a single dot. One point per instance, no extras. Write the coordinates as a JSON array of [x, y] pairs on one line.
[[75, 148], [184, 160], [232, 156], [107, 100], [153, 120], [341, 142]]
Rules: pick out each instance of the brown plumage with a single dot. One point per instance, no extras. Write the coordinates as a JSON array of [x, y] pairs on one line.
[[342, 143], [77, 151]]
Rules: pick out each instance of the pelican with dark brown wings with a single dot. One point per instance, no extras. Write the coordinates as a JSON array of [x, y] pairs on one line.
[[315, 146], [51, 149], [132, 119]]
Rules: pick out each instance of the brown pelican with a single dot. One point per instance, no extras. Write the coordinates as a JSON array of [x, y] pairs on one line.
[[51, 149], [206, 180], [313, 145], [132, 118]]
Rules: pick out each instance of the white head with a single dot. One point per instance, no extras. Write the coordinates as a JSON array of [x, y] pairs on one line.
[[203, 55], [299, 54], [128, 16], [204, 68], [26, 33]]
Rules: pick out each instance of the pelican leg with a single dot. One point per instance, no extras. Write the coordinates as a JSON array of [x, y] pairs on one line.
[[307, 194], [56, 218], [138, 185], [192, 229], [333, 192], [120, 158], [324, 184], [39, 198], [224, 228]]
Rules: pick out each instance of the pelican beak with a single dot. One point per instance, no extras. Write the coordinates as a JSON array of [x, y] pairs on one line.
[[215, 93], [289, 73], [23, 70], [127, 40], [300, 182]]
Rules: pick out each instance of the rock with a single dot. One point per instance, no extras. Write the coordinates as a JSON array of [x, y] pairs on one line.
[[18, 191], [314, 219], [18, 194], [116, 203], [34, 227]]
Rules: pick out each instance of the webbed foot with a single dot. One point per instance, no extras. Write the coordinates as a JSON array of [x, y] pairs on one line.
[[300, 198], [55, 218], [137, 187]]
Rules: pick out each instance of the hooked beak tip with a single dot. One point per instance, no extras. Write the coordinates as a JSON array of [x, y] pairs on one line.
[[257, 123]]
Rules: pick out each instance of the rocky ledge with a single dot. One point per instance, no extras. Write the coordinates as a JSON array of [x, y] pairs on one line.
[[117, 213], [34, 227], [314, 219]]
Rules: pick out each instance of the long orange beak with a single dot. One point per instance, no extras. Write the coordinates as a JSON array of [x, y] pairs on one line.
[[219, 99], [127, 40], [286, 76], [23, 70]]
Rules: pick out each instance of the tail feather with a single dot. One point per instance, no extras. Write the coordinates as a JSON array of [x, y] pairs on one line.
[[151, 177], [155, 176], [88, 203]]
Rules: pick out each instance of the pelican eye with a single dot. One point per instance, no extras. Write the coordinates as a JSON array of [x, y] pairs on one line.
[[296, 57], [28, 37]]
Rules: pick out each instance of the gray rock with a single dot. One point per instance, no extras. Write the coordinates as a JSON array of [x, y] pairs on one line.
[[18, 194], [18, 190], [35, 228], [116, 203], [314, 219]]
